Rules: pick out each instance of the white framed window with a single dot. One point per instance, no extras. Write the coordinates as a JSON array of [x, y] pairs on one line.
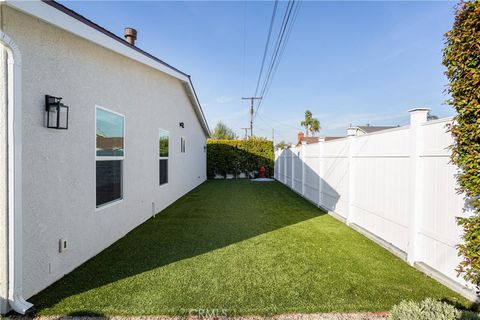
[[163, 154], [109, 156], [182, 144]]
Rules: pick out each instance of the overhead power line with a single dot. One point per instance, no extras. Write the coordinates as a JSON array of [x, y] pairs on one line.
[[272, 21], [278, 132], [279, 41], [264, 118], [268, 71], [244, 42], [289, 30], [286, 27]]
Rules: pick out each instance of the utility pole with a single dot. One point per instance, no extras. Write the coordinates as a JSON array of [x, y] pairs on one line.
[[246, 132], [251, 111]]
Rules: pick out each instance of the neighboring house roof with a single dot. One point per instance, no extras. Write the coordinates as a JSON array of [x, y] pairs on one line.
[[68, 20], [109, 143], [370, 129], [358, 130], [310, 140], [333, 138]]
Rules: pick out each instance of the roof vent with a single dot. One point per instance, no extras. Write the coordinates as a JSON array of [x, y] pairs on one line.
[[130, 35]]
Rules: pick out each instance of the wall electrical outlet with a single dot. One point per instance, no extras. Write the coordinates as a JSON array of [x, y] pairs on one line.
[[62, 245]]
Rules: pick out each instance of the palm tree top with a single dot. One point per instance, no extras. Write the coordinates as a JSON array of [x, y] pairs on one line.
[[310, 123]]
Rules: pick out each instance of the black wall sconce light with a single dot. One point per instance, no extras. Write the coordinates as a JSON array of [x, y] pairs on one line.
[[181, 124], [57, 113]]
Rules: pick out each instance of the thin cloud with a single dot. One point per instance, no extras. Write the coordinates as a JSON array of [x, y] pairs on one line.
[[224, 99]]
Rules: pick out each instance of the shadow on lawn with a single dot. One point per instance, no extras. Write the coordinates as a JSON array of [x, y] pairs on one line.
[[214, 215]]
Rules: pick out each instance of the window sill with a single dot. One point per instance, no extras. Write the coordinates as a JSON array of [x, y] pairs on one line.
[[108, 204]]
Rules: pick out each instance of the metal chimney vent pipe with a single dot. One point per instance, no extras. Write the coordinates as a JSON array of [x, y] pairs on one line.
[[130, 35]]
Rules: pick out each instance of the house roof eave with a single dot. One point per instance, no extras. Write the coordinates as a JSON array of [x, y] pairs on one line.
[[66, 19]]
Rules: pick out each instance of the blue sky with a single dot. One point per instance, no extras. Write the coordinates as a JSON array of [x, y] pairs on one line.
[[348, 62]]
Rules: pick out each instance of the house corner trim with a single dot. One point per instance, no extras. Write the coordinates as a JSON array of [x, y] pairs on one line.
[[14, 133]]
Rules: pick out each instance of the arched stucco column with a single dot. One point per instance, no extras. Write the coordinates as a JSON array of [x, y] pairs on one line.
[[3, 182], [13, 135]]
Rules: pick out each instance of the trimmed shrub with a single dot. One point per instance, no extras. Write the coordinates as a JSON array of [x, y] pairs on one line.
[[462, 59], [239, 156], [425, 310], [429, 309]]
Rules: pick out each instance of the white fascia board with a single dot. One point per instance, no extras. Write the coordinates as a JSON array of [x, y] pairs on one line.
[[56, 17], [198, 109]]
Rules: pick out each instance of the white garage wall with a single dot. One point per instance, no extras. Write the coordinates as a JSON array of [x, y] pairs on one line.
[[396, 186]]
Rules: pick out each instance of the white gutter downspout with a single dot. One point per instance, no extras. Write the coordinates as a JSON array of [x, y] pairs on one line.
[[14, 132]]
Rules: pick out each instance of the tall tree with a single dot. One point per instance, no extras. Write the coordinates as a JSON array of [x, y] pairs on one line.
[[310, 123], [461, 56], [282, 144], [307, 121], [223, 132], [315, 126]]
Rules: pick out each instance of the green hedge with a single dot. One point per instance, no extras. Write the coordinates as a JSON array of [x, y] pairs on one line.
[[462, 59], [237, 156]]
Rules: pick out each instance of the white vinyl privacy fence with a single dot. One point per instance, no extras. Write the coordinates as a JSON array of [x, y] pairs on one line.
[[396, 186]]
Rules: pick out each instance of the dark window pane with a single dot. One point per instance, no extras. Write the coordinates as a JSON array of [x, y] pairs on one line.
[[163, 171], [182, 145], [109, 181]]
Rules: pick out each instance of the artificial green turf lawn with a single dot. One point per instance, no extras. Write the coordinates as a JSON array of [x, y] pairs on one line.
[[245, 248]]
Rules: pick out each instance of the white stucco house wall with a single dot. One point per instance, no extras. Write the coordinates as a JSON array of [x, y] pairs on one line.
[[135, 143]]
